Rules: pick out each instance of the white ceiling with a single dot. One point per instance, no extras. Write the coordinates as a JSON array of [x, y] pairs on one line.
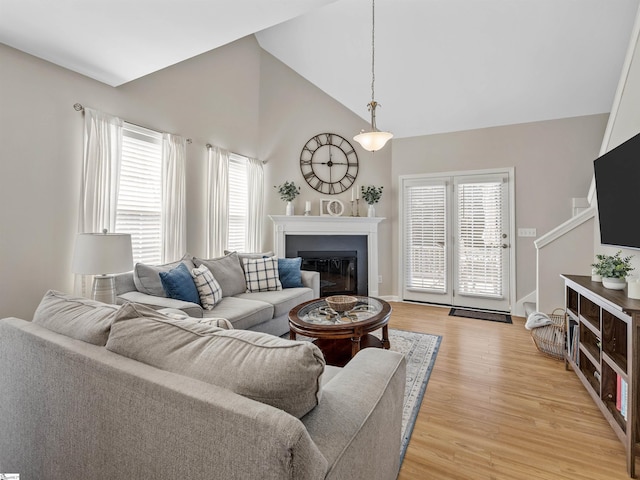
[[441, 65]]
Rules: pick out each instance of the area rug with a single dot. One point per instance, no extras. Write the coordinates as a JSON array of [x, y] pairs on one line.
[[480, 315], [420, 352]]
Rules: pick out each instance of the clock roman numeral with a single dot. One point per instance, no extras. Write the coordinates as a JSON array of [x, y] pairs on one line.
[[309, 176], [332, 188], [318, 140]]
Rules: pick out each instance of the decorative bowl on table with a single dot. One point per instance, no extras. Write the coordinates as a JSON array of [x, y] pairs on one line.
[[341, 303]]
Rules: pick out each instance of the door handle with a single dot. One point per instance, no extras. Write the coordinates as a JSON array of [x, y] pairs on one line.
[[504, 245]]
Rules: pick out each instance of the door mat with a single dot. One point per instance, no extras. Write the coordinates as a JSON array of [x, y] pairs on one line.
[[480, 315]]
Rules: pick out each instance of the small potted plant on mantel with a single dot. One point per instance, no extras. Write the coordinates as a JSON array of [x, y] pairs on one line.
[[371, 195], [288, 192], [613, 269]]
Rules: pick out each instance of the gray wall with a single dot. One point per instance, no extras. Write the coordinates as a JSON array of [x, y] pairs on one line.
[[552, 160]]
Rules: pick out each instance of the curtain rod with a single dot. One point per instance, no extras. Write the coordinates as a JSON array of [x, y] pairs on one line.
[[209, 147], [79, 108]]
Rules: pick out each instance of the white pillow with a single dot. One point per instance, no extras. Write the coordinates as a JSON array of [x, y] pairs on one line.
[[208, 287], [261, 274]]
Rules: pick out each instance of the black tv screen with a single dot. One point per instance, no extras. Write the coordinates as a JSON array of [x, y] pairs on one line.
[[617, 175]]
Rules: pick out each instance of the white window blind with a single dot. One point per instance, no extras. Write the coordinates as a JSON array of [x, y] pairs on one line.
[[139, 198], [238, 203], [425, 237], [479, 227]]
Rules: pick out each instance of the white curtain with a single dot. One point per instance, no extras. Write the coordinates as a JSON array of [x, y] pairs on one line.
[[217, 214], [100, 178], [174, 210], [255, 210]]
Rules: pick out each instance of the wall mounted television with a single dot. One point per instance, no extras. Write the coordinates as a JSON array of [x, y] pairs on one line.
[[617, 175]]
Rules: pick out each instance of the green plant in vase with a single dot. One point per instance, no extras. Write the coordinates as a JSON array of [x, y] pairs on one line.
[[288, 191], [613, 269], [372, 195]]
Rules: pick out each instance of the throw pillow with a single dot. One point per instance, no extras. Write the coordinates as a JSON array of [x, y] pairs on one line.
[[289, 272], [147, 279], [178, 284], [261, 274], [75, 317], [282, 373], [208, 287], [227, 271]]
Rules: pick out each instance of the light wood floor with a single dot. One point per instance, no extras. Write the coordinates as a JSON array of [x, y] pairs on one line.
[[495, 408]]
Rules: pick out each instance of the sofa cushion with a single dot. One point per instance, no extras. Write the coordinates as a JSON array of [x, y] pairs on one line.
[[242, 313], [261, 274], [282, 373], [147, 278], [75, 317], [178, 283], [289, 272], [227, 271], [283, 301], [208, 287]]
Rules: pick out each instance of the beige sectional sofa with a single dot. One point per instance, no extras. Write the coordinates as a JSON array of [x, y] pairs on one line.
[[259, 311], [95, 391]]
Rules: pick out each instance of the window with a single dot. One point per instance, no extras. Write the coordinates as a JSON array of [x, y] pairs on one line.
[[238, 203], [140, 196]]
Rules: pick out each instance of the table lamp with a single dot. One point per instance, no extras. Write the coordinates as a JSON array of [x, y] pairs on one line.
[[102, 255]]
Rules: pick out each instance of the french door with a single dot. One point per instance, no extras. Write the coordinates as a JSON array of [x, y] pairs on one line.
[[456, 239]]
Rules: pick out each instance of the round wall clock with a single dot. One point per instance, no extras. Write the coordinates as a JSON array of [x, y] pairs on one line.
[[329, 163]]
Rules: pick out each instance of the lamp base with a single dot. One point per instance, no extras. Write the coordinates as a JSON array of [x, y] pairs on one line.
[[104, 289]]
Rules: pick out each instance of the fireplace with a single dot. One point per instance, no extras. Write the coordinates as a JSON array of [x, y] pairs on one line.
[[338, 270], [340, 259], [297, 233]]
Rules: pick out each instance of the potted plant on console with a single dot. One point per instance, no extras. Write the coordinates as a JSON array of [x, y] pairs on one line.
[[371, 195], [613, 269], [288, 192]]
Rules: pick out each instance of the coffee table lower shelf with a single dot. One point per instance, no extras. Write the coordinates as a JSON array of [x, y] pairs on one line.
[[337, 352]]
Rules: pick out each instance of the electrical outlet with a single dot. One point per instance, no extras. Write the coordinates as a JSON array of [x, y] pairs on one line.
[[527, 232], [379, 278]]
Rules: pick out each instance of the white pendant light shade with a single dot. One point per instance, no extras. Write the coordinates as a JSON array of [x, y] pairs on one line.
[[373, 141]]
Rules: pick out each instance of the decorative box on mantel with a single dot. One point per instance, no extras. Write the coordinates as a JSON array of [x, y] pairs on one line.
[[331, 225]]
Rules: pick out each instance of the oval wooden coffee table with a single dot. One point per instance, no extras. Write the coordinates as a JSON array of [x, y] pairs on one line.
[[341, 336]]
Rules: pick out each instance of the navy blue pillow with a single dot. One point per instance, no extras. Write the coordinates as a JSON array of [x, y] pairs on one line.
[[178, 284], [289, 272]]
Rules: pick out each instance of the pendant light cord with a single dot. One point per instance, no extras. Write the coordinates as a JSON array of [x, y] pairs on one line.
[[373, 49]]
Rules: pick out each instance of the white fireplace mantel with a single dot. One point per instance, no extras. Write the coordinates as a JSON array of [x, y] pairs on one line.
[[331, 225]]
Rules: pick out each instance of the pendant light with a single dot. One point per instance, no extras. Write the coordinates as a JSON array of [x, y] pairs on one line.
[[375, 139]]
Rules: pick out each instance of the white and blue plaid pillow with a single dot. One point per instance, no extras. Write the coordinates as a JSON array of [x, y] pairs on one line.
[[208, 287], [261, 274]]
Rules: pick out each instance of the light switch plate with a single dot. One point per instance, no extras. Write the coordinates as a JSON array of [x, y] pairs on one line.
[[527, 232]]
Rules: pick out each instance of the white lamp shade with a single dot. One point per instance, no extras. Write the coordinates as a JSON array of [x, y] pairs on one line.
[[102, 253], [373, 141]]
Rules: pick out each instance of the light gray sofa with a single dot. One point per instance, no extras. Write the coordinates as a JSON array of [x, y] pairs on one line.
[[72, 408], [259, 311]]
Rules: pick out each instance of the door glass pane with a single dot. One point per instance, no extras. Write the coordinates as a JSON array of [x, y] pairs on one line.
[[479, 239], [424, 236]]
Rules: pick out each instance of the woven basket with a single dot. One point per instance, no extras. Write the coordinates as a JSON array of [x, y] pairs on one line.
[[341, 303], [550, 339]]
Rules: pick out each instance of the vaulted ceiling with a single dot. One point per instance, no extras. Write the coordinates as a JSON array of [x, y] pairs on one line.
[[440, 65]]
